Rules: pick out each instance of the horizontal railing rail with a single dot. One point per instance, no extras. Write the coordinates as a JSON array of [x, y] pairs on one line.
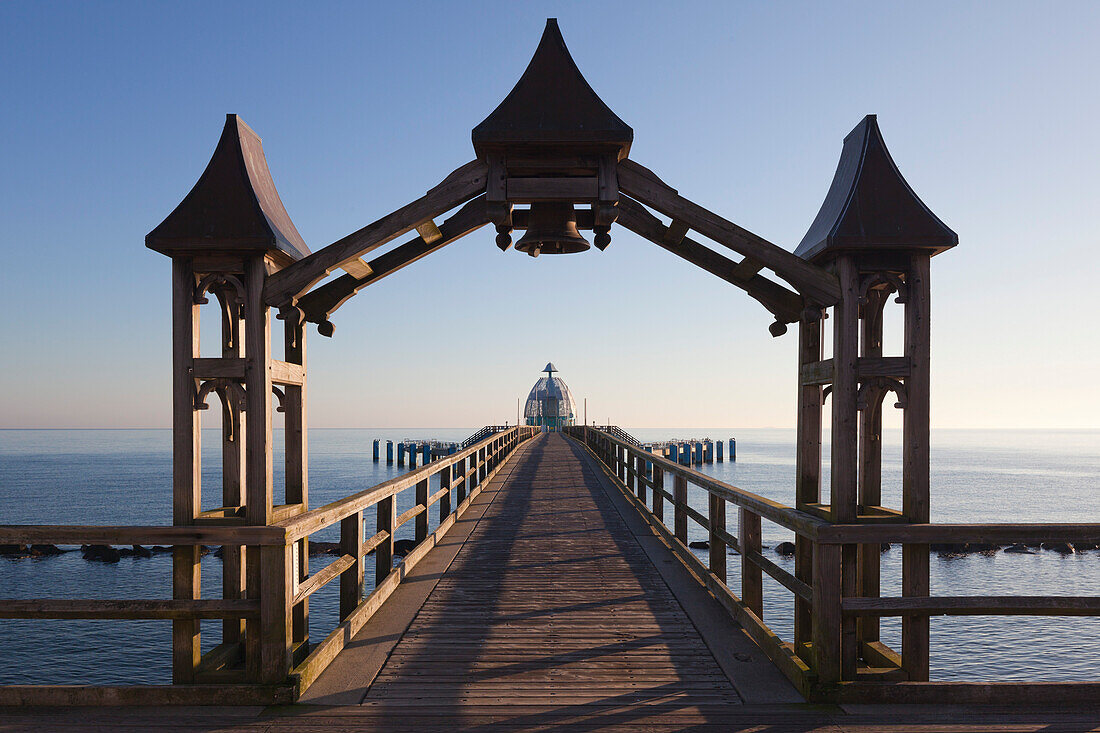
[[826, 600], [285, 582]]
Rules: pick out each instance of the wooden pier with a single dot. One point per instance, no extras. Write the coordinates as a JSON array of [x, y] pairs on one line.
[[556, 588]]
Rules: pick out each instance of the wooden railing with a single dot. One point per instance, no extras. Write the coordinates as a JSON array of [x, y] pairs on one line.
[[833, 665], [267, 665]]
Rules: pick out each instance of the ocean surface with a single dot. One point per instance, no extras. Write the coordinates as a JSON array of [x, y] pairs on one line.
[[124, 477]]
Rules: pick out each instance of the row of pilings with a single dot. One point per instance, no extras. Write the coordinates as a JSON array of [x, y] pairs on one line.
[[409, 450]]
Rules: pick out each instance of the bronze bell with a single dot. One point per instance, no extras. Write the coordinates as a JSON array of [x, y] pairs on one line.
[[552, 230]]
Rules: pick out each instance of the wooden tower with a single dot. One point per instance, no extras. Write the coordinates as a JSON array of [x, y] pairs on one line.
[[877, 237], [226, 237]]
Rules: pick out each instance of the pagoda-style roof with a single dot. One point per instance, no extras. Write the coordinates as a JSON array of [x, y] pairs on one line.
[[552, 104], [234, 205], [870, 205]]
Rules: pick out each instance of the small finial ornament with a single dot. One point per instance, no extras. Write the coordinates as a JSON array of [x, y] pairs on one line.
[[504, 237], [602, 238]]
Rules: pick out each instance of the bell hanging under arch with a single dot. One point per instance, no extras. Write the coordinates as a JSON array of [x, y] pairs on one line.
[[552, 230]]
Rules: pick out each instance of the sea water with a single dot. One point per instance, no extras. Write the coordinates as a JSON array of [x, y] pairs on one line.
[[124, 477]]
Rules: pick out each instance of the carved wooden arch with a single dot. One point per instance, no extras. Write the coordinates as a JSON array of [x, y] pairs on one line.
[[872, 391], [230, 292], [233, 399]]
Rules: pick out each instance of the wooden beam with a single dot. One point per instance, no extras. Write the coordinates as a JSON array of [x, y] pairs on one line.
[[68, 534], [526, 190], [286, 373], [220, 368], [782, 303], [675, 233], [321, 303], [74, 608], [810, 280], [460, 186], [974, 606], [817, 372], [356, 268]]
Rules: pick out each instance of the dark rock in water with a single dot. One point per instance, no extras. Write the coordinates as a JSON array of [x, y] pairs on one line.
[[325, 548], [699, 545], [160, 549], [1064, 548], [982, 547], [220, 552], [1082, 546], [101, 553], [403, 547], [884, 547], [46, 550], [733, 551], [1018, 549], [13, 551], [784, 548], [135, 551], [948, 547]]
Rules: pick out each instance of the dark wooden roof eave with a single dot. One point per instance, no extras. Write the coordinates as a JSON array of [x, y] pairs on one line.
[[552, 104], [234, 205], [870, 205]]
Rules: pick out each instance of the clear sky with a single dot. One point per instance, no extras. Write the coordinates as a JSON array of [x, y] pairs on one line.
[[109, 113]]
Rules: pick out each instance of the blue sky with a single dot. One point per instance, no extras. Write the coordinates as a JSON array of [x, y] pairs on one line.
[[110, 112]]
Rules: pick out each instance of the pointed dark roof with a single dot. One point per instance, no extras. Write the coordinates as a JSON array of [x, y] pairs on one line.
[[870, 205], [550, 367], [552, 104], [234, 205]]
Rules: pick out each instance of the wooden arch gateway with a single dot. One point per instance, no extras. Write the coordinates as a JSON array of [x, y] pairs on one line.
[[553, 142]]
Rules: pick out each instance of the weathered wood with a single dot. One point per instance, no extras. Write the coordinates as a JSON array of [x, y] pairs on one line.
[[801, 589], [817, 372], [322, 577], [844, 435], [190, 609], [276, 622], [351, 577], [286, 373], [416, 511], [225, 367], [658, 493], [422, 500], [717, 522], [974, 606], [53, 696], [915, 456], [827, 613], [642, 184], [525, 190], [870, 456], [780, 301], [186, 463], [752, 582], [916, 534], [807, 468], [383, 553], [323, 301], [457, 188], [679, 513], [63, 534]]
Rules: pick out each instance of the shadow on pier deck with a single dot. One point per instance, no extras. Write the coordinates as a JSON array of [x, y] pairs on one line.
[[550, 598]]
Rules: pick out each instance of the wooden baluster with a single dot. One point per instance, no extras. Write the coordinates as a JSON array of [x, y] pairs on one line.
[[717, 520], [752, 580], [680, 517], [422, 517], [383, 556], [351, 580], [639, 477], [827, 612], [445, 500], [276, 615], [631, 474], [658, 495]]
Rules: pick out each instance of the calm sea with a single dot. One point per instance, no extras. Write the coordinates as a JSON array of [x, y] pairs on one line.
[[124, 477]]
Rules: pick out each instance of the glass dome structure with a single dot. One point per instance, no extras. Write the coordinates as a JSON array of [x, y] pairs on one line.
[[550, 403]]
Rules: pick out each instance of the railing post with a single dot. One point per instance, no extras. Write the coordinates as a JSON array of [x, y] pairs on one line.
[[422, 517], [717, 520], [680, 517], [445, 500], [351, 580], [383, 555], [658, 493], [752, 580], [827, 612], [631, 474], [276, 622]]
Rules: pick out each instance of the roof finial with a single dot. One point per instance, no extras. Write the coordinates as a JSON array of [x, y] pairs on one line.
[[550, 368]]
